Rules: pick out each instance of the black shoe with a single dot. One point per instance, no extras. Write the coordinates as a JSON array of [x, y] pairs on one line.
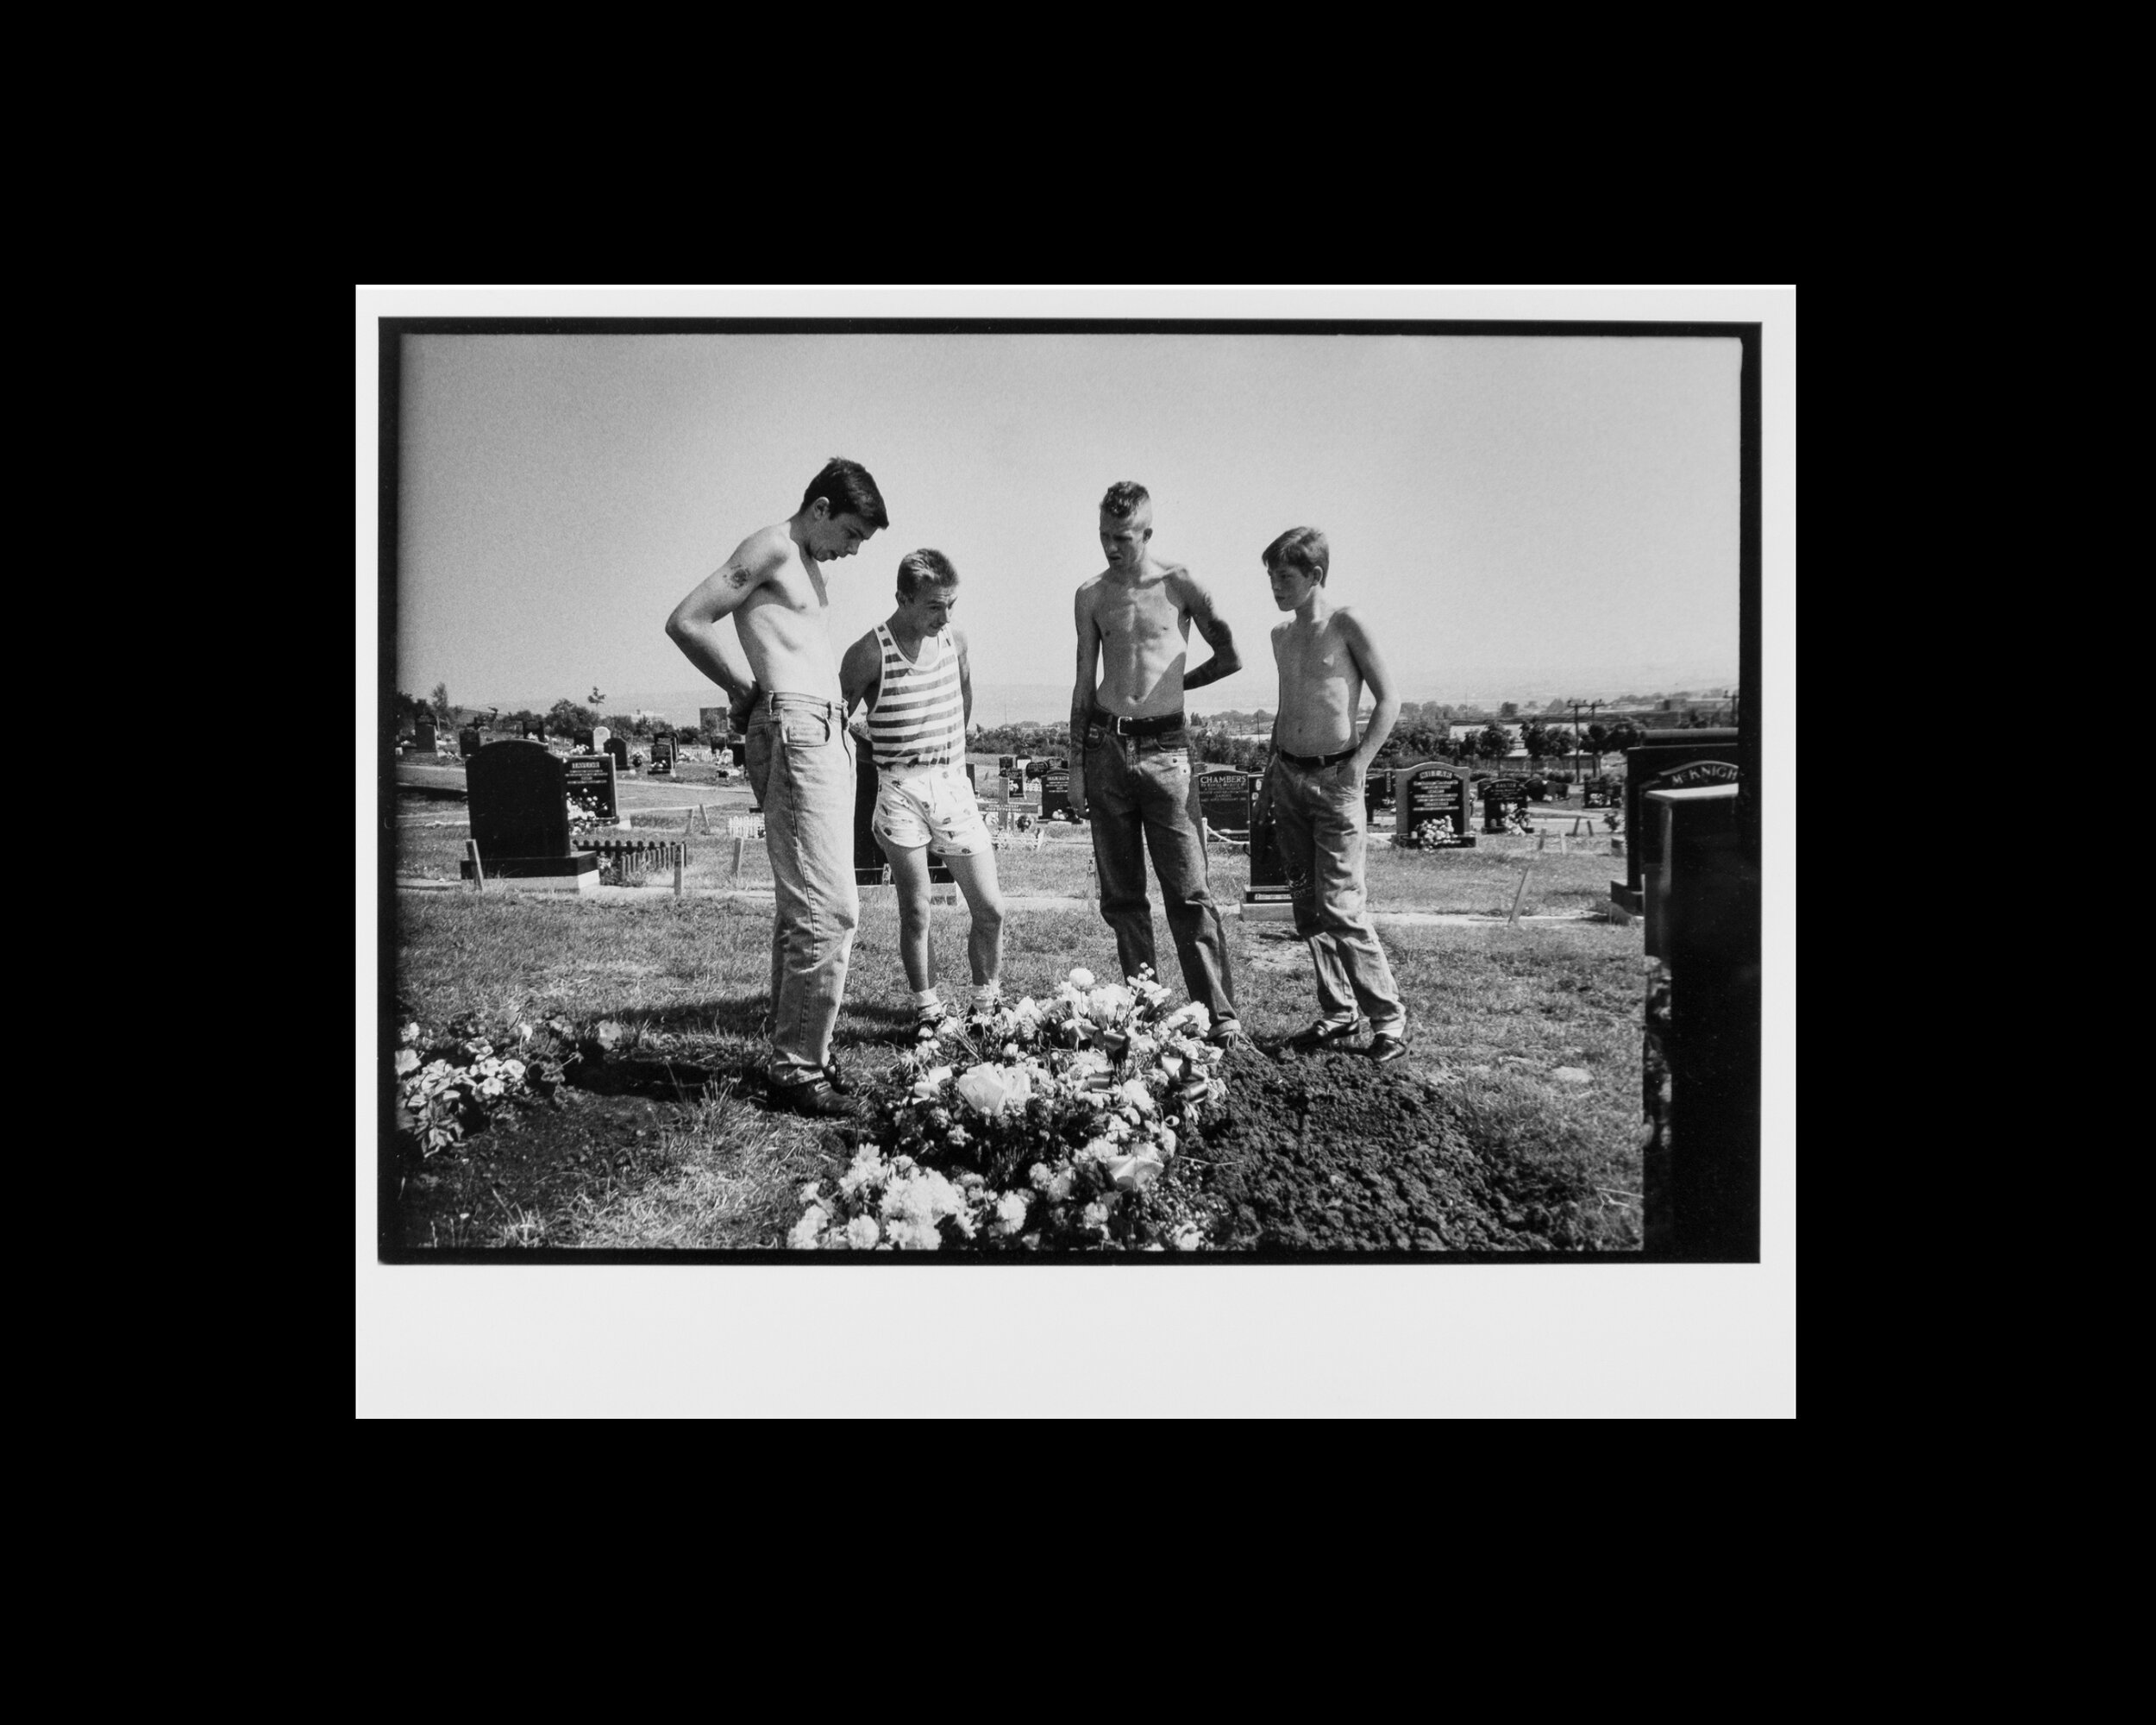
[[1229, 1033], [1384, 1049], [835, 1077], [812, 1095], [1323, 1035]]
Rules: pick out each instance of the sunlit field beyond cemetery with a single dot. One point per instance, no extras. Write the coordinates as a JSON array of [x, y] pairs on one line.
[[636, 1120]]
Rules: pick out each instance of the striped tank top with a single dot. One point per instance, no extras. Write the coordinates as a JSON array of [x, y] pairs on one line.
[[919, 718]]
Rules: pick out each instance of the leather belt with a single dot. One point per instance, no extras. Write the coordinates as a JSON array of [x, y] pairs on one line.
[[1138, 727], [1314, 760]]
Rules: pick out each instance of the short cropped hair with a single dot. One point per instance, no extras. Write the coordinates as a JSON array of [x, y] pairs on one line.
[[1125, 499], [1303, 549], [925, 568], [850, 490]]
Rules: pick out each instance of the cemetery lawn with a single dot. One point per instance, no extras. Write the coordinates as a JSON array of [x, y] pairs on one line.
[[660, 1139]]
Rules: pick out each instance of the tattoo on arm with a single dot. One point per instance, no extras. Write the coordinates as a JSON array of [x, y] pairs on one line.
[[737, 575]]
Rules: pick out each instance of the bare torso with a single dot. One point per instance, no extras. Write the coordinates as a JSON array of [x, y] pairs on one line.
[[784, 625], [1144, 621], [1320, 685]]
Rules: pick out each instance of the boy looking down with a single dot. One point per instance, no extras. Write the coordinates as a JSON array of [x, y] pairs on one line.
[[912, 672], [1314, 785]]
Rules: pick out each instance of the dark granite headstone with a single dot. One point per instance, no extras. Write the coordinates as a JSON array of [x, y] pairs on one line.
[[1647, 766], [1378, 786], [618, 751], [1503, 791], [423, 735], [1429, 798], [589, 783], [1642, 851], [469, 742], [582, 739], [520, 820], [1224, 798], [1055, 794], [1701, 1162]]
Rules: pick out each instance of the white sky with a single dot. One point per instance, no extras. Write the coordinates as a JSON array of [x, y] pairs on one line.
[[1524, 518]]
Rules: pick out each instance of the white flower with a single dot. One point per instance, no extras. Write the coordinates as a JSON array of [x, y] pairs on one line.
[[1059, 1188], [1109, 1004], [1187, 1237], [911, 1236], [809, 1193], [869, 1168], [1135, 1092], [1039, 1176], [951, 1026], [993, 1088], [1082, 979], [1096, 1150], [1192, 1014], [410, 1033], [1133, 1173], [931, 1083], [804, 1236], [1095, 1214], [861, 1233], [406, 1062], [1010, 1215]]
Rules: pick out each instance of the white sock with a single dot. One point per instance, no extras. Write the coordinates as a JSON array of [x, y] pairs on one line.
[[930, 996], [987, 993]]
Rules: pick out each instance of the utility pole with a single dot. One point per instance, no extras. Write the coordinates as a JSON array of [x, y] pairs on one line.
[[1591, 707]]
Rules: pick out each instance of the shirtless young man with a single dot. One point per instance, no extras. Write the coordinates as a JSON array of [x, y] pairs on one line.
[[800, 762], [1314, 786], [912, 672], [1133, 775]]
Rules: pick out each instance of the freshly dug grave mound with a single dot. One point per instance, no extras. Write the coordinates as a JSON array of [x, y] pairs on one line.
[[1326, 1152]]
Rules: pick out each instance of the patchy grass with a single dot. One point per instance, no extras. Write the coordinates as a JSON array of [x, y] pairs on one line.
[[1493, 1013]]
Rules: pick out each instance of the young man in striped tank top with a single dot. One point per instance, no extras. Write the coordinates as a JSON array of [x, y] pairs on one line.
[[913, 672]]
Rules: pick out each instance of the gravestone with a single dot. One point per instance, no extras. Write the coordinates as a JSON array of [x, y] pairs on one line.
[[589, 783], [662, 754], [1224, 798], [1430, 800], [1701, 1068], [536, 730], [599, 736], [1377, 786], [469, 743], [1056, 794], [1499, 794], [739, 752], [423, 736], [869, 857], [1681, 767], [1539, 789], [1267, 898], [582, 739], [1595, 791], [518, 800], [617, 751]]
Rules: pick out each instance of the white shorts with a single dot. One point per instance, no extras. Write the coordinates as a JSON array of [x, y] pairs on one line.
[[932, 806]]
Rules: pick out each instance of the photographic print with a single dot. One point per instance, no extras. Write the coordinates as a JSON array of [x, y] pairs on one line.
[[1207, 794]]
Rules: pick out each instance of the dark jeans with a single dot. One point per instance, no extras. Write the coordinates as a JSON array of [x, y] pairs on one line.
[[1144, 796]]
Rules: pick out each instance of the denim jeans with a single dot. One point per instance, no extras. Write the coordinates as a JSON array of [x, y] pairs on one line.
[[1318, 830], [1143, 796], [801, 764]]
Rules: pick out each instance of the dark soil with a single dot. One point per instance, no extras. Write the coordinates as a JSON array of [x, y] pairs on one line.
[[604, 1127], [1326, 1152]]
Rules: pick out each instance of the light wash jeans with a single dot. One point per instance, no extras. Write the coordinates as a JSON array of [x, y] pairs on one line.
[[1142, 797], [801, 765], [1318, 830]]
